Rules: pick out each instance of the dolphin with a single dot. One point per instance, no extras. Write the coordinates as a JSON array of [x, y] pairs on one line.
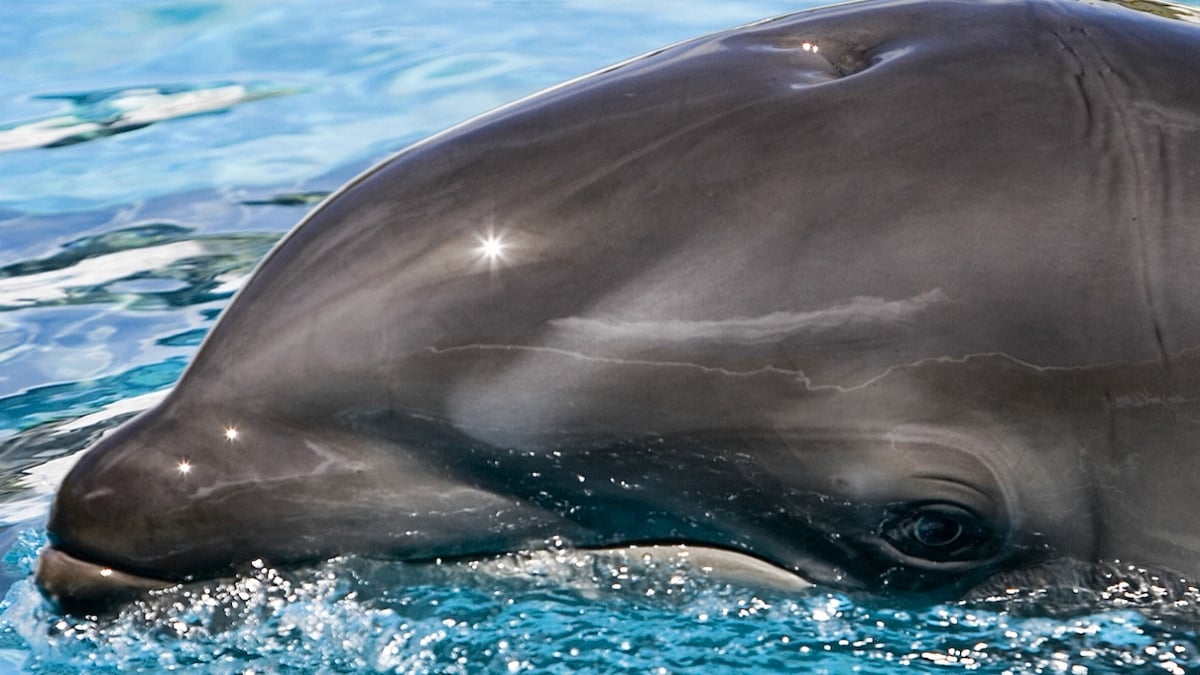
[[891, 296]]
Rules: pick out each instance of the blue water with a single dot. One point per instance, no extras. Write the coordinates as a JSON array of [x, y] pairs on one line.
[[152, 151]]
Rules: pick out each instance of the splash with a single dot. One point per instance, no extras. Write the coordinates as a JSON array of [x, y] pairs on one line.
[[563, 611]]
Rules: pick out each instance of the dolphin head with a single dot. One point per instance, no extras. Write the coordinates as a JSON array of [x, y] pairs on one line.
[[890, 296]]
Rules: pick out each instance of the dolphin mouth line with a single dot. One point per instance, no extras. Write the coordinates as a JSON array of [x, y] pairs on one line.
[[75, 583]]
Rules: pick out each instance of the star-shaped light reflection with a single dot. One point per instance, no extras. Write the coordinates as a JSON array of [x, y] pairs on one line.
[[491, 248]]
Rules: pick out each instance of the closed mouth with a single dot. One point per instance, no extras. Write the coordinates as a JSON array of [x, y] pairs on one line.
[[78, 586]]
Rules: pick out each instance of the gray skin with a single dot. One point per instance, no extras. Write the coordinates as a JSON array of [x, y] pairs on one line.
[[894, 314]]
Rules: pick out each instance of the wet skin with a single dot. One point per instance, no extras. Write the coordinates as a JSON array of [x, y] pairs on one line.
[[895, 312]]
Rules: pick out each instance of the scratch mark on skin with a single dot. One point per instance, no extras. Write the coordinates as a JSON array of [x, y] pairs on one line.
[[798, 375]]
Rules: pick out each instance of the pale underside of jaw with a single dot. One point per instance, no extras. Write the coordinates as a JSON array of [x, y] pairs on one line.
[[73, 582]]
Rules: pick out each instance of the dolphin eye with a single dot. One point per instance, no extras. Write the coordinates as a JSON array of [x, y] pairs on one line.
[[937, 532]]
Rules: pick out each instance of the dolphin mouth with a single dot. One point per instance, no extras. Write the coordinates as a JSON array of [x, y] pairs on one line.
[[76, 585]]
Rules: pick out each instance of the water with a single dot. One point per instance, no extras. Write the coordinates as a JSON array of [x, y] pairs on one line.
[[150, 153]]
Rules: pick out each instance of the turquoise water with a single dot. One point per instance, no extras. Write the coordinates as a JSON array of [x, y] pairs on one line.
[[152, 152]]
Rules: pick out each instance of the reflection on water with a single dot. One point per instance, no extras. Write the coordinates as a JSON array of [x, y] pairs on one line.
[[71, 399], [69, 319], [97, 114], [288, 199], [1170, 10], [115, 266]]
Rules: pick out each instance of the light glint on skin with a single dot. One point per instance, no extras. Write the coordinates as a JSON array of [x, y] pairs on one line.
[[492, 249]]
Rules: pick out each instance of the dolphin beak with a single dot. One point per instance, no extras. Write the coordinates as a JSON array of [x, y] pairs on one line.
[[77, 586]]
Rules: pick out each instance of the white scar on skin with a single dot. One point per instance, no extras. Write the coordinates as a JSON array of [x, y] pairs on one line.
[[798, 376], [771, 327]]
